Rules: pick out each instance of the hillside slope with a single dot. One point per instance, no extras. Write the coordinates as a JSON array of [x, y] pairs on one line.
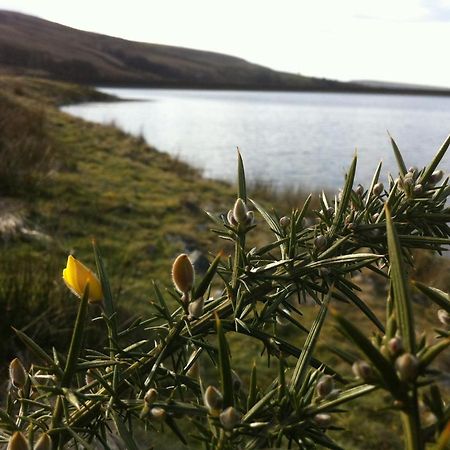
[[33, 46]]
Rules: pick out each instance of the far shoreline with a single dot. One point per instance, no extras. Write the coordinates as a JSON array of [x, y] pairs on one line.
[[363, 90]]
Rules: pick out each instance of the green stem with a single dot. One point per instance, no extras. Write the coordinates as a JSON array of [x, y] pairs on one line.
[[411, 425]]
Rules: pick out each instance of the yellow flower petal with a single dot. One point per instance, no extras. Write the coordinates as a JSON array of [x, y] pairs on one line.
[[76, 276]]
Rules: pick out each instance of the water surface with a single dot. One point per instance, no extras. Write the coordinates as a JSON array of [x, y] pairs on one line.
[[287, 139]]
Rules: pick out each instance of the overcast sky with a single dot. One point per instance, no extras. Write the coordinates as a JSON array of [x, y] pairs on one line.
[[389, 40]]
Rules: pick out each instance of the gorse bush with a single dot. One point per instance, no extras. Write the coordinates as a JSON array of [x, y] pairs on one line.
[[86, 398]]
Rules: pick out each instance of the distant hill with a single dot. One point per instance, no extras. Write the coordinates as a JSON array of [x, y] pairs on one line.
[[33, 46], [397, 85]]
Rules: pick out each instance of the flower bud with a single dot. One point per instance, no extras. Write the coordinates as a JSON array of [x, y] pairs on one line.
[[385, 352], [362, 370], [240, 211], [17, 374], [43, 443], [378, 189], [418, 189], [330, 211], [229, 418], [320, 242], [285, 221], [150, 396], [250, 218], [158, 414], [359, 191], [413, 170], [213, 398], [407, 366], [183, 274], [408, 182], [444, 317], [195, 308], [231, 219], [436, 176], [322, 420], [395, 346], [325, 386], [17, 442]]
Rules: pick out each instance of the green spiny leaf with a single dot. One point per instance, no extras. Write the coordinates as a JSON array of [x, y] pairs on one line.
[[302, 365], [242, 188], [77, 340], [435, 295], [398, 156], [434, 163], [399, 286], [206, 280], [346, 196], [226, 375]]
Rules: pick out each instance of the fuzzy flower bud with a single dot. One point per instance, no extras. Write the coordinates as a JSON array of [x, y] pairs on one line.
[[444, 317], [436, 176], [359, 191], [213, 399], [17, 442], [150, 396], [183, 274], [320, 242], [158, 414], [408, 182], [362, 370], [195, 308], [395, 346], [285, 221], [413, 170], [77, 276], [250, 218], [17, 373], [240, 211], [229, 418], [407, 366], [231, 219], [322, 420], [43, 443], [325, 386], [378, 189]]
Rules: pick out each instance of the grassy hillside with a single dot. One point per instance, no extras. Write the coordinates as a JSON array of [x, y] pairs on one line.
[[36, 47]]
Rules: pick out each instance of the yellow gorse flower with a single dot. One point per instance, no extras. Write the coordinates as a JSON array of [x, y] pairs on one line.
[[76, 276]]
